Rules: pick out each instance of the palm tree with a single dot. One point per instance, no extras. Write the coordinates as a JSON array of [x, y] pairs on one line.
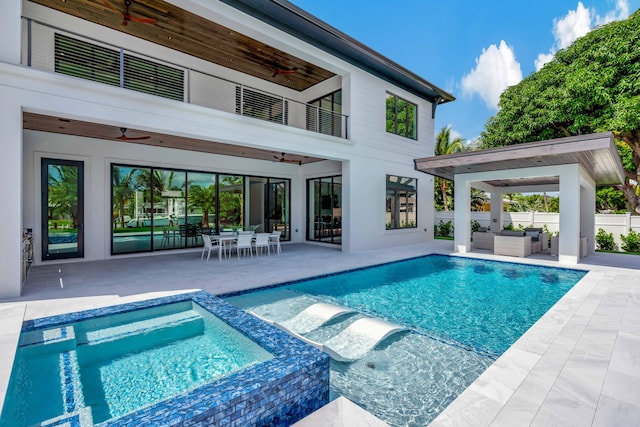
[[123, 190], [63, 192], [446, 145], [203, 198]]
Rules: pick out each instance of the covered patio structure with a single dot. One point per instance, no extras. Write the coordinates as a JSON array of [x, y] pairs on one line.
[[572, 166]]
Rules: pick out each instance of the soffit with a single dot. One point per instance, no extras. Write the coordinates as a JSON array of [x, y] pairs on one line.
[[65, 126], [181, 30], [596, 153]]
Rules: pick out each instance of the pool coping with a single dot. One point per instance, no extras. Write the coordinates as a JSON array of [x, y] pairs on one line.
[[269, 384], [103, 283]]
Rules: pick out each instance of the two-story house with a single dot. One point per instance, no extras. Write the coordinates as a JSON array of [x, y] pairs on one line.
[[134, 126]]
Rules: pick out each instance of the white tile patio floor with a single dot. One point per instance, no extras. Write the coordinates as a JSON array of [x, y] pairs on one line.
[[578, 365]]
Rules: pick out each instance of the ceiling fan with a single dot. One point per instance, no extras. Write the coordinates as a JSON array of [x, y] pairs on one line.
[[124, 137], [126, 16], [283, 159], [276, 69]]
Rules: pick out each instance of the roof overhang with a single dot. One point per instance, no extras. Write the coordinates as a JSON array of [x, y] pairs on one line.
[[295, 21], [596, 153]]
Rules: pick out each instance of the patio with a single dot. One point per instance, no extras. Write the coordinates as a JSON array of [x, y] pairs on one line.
[[576, 366]]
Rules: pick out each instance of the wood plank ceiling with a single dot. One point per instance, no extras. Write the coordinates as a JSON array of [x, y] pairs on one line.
[[178, 29], [113, 134]]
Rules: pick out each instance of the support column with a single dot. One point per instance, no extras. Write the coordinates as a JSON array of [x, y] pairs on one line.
[[462, 218], [496, 216], [11, 212], [588, 210], [569, 240], [10, 31]]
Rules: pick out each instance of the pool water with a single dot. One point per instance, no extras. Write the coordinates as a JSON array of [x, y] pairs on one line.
[[461, 314], [111, 366]]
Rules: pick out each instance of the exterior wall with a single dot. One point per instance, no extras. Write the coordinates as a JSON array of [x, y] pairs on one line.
[[363, 160], [617, 224]]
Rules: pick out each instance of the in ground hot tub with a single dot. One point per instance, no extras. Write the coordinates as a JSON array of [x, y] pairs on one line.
[[188, 359]]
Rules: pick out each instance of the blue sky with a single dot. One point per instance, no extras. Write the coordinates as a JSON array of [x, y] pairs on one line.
[[472, 49]]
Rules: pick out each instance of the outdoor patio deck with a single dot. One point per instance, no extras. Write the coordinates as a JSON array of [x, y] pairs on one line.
[[578, 365]]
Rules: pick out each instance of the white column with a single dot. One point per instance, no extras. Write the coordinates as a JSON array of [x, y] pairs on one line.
[[569, 241], [462, 218], [588, 210], [10, 31], [11, 211], [496, 211]]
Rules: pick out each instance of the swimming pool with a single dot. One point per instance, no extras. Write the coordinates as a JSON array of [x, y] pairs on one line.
[[461, 315], [183, 359]]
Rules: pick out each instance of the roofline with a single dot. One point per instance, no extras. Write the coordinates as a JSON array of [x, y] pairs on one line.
[[289, 18]]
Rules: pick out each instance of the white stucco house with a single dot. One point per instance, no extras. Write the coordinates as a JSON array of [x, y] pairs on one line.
[[133, 127]]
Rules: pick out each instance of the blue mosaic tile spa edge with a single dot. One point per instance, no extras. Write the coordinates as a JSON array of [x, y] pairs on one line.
[[278, 392]]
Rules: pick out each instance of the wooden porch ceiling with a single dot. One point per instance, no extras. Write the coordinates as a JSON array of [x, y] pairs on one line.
[[181, 30], [596, 153], [66, 126]]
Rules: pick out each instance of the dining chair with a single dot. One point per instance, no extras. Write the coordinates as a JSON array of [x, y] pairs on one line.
[[244, 244], [208, 245], [274, 239], [262, 241]]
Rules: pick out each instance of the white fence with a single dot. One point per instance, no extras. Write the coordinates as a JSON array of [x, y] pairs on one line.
[[616, 224]]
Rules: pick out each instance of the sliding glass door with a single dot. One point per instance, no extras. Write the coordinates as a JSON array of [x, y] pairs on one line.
[[62, 209], [324, 201]]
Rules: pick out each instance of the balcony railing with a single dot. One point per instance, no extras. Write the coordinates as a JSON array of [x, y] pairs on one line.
[[87, 58]]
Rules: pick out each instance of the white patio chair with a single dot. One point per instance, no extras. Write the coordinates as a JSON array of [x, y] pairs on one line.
[[227, 245], [208, 245], [244, 244], [262, 241], [274, 240]]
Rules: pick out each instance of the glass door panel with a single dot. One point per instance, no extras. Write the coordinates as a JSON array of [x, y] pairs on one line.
[[171, 226], [231, 202], [325, 209], [62, 209], [131, 204], [277, 207], [201, 195]]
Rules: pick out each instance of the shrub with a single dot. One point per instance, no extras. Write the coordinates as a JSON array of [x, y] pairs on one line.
[[605, 240], [475, 225], [444, 229], [630, 242]]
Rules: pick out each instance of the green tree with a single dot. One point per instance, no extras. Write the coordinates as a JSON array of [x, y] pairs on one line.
[[445, 144], [123, 191], [592, 86], [203, 198], [63, 192], [609, 199]]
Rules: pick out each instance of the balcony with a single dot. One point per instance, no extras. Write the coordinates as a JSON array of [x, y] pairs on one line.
[[83, 57]]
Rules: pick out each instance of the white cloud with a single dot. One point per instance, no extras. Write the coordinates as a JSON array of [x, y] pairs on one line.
[[618, 14], [575, 24], [496, 69], [542, 59]]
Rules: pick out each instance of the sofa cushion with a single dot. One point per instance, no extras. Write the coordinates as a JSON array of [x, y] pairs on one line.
[[535, 235], [513, 233]]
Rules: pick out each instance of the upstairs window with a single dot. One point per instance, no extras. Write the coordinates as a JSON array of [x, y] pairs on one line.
[[261, 105], [324, 115], [401, 117], [402, 195], [102, 64]]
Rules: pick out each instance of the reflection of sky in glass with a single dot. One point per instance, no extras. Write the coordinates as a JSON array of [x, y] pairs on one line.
[[202, 179]]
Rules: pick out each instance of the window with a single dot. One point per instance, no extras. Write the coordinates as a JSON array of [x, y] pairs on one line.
[[324, 209], [324, 115], [401, 117], [401, 202], [159, 208], [262, 106], [101, 64]]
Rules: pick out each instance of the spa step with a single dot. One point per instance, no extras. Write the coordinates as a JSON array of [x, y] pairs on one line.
[[141, 327], [115, 342]]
